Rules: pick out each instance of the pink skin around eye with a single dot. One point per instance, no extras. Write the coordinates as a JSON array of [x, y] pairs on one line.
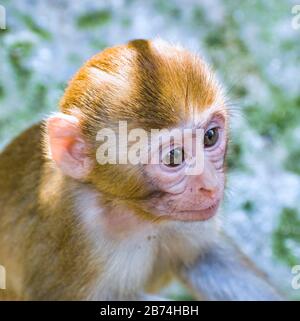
[[190, 197]]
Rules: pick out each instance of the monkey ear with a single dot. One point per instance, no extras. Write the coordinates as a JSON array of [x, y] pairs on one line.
[[66, 146]]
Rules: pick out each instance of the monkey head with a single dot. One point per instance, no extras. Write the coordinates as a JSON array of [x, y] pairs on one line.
[[149, 85]]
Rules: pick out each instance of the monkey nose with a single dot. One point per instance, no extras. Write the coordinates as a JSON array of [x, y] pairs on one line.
[[210, 193]]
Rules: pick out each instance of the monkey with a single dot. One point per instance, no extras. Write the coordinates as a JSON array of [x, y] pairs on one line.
[[73, 228]]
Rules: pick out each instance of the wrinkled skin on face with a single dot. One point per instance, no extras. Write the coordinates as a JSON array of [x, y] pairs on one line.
[[184, 196]]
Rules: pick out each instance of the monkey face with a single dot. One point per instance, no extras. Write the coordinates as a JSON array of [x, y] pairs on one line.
[[184, 189], [182, 176]]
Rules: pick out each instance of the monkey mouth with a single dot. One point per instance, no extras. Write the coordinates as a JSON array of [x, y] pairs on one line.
[[196, 215]]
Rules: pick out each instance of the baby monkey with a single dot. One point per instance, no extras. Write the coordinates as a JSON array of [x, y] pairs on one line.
[[75, 226]]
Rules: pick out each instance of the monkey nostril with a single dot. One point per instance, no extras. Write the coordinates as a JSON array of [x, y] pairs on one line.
[[208, 192]]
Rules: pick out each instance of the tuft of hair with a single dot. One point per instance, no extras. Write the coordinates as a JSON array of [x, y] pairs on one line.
[[148, 83]]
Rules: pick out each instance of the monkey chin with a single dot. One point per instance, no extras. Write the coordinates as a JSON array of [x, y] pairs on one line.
[[195, 215]]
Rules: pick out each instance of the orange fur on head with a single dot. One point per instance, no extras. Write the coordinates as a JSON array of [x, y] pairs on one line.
[[152, 82]]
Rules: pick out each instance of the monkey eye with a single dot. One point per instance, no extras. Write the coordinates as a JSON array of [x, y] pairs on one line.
[[211, 137], [174, 157]]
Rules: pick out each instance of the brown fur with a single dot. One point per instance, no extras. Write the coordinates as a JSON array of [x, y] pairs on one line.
[[42, 244]]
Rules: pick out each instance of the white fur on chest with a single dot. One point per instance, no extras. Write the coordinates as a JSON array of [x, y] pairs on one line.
[[128, 260]]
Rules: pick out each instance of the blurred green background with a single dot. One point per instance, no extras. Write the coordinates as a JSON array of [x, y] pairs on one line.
[[256, 53]]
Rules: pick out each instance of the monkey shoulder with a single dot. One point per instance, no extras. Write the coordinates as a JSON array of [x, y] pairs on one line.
[[20, 163]]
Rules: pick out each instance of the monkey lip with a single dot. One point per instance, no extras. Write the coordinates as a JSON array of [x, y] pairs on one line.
[[196, 215]]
